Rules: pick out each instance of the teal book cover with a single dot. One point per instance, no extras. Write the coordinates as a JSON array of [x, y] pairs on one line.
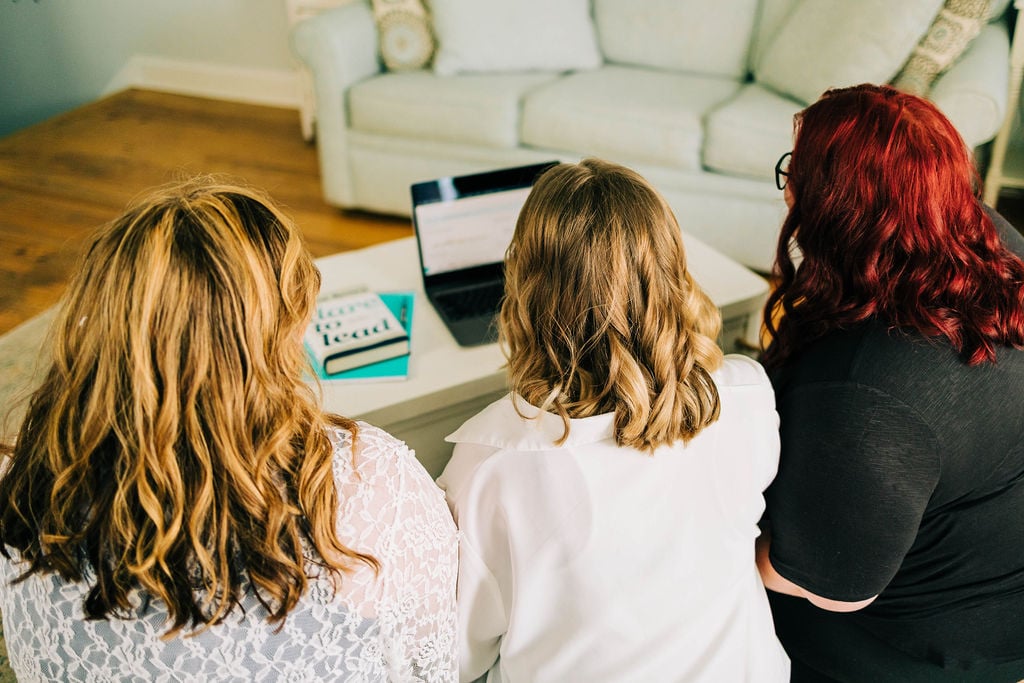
[[401, 304]]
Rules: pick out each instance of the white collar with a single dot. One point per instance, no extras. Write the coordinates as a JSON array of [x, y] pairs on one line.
[[499, 425]]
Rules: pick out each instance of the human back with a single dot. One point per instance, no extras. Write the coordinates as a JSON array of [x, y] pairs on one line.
[[176, 498], [608, 506], [896, 355]]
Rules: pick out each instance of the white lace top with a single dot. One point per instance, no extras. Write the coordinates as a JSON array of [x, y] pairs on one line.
[[398, 626]]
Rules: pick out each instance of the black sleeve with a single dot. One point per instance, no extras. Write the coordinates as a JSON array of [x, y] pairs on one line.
[[856, 472]]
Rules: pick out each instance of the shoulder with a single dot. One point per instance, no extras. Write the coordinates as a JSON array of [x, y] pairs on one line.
[[385, 493], [479, 442], [510, 442], [367, 450], [1010, 236], [859, 356], [374, 459], [877, 395], [747, 430], [743, 382], [510, 423], [366, 439], [876, 358], [740, 371]]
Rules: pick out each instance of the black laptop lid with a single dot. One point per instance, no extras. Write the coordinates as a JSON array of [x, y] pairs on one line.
[[464, 223]]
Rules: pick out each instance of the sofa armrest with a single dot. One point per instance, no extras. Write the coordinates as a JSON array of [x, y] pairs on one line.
[[974, 93], [339, 47]]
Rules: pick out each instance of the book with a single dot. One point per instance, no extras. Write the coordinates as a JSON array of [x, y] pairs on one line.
[[393, 369], [354, 329]]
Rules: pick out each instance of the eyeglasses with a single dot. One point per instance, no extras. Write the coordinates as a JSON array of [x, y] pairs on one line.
[[782, 170]]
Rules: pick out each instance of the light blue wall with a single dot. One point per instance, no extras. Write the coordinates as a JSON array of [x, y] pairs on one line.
[[58, 54]]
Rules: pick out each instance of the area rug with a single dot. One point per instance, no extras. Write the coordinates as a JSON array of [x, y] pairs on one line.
[[21, 368]]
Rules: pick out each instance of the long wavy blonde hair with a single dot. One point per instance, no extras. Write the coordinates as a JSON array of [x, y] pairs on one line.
[[173, 445], [600, 314]]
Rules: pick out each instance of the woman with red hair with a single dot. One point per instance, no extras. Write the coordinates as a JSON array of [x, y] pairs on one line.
[[894, 535]]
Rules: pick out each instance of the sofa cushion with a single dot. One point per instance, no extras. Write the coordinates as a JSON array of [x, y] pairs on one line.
[[770, 18], [835, 43], [956, 25], [683, 35], [470, 109], [747, 135], [523, 35], [626, 114]]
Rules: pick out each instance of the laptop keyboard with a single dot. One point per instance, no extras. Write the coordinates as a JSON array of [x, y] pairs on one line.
[[471, 303]]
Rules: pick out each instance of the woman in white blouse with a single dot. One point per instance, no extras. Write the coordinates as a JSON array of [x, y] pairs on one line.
[[608, 506], [177, 506]]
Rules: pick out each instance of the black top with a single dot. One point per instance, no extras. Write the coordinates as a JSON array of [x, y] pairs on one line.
[[902, 475]]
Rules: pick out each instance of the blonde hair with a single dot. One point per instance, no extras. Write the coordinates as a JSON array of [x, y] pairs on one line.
[[600, 314], [173, 445]]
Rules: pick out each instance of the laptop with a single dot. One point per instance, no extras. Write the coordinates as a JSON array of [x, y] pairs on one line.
[[463, 226]]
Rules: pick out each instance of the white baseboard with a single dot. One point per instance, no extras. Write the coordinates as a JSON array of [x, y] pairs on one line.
[[270, 87]]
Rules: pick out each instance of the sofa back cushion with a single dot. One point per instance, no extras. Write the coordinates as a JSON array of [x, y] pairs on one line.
[[513, 35], [835, 43], [632, 115], [709, 37], [771, 16]]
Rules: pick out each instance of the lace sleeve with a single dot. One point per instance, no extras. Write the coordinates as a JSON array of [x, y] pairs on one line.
[[392, 509]]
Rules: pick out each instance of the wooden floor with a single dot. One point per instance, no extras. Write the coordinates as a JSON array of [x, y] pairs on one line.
[[63, 177]]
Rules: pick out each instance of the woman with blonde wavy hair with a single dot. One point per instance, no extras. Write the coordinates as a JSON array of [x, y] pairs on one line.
[[608, 506], [176, 503]]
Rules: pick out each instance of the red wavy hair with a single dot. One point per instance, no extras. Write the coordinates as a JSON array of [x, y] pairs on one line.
[[887, 216]]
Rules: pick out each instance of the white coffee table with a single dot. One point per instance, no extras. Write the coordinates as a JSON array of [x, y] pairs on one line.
[[447, 383]]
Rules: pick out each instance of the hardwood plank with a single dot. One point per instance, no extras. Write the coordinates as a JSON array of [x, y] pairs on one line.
[[62, 178]]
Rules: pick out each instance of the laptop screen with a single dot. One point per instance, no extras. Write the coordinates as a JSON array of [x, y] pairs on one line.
[[467, 221]]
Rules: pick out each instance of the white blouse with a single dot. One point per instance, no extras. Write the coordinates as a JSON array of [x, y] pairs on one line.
[[395, 626], [592, 562]]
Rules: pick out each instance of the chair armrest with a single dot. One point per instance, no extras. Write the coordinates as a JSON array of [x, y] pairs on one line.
[[974, 93], [339, 47]]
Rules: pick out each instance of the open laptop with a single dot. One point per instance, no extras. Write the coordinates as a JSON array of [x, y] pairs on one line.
[[463, 226]]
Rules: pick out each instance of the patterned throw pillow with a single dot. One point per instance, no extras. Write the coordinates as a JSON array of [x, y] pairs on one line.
[[955, 26], [404, 34]]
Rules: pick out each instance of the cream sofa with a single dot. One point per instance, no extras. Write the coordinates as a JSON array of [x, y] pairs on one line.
[[698, 96]]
